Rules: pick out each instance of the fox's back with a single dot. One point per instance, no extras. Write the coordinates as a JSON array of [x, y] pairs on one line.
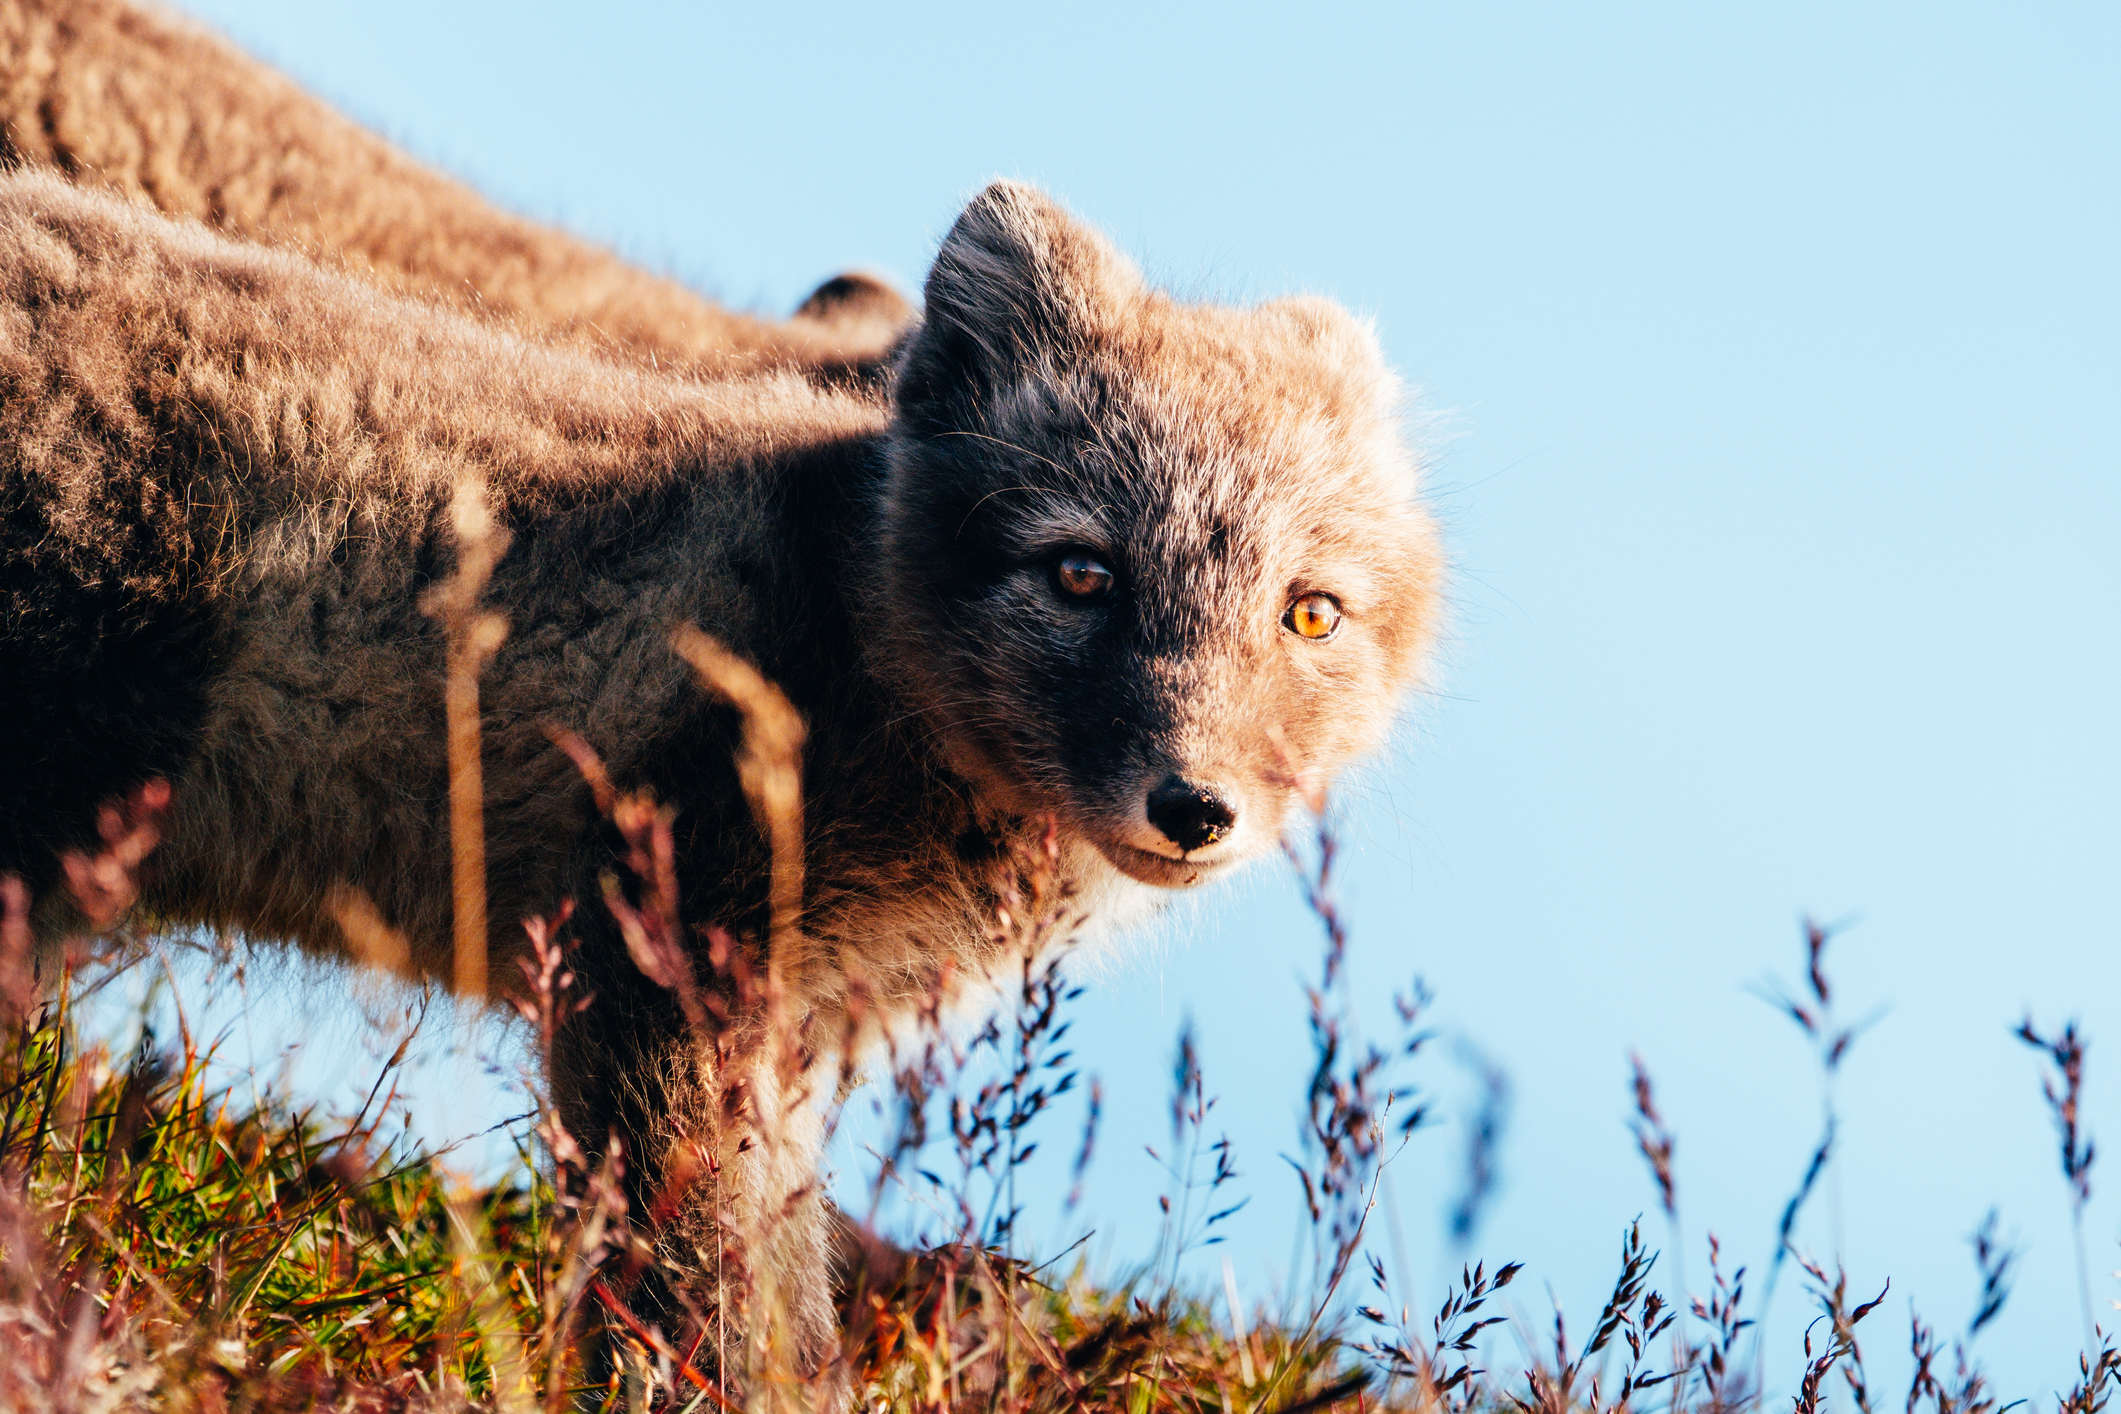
[[226, 481]]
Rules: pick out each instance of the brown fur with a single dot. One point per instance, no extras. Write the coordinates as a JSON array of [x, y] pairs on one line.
[[224, 479], [149, 106]]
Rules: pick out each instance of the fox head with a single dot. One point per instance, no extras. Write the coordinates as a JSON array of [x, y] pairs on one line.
[[1152, 569]]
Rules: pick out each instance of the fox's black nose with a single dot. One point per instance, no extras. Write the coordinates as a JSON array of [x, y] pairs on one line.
[[1190, 816]]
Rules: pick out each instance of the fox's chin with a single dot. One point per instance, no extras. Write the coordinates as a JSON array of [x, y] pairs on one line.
[[1157, 869]]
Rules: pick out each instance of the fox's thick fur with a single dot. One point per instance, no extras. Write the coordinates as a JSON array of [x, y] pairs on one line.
[[142, 103], [225, 479]]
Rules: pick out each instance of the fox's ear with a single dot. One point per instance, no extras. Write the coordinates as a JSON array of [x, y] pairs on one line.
[[1329, 328], [1016, 279], [1346, 344]]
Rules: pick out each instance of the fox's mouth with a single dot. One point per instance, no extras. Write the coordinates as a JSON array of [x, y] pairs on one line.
[[1160, 870]]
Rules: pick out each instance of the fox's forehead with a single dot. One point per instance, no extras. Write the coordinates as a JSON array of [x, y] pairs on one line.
[[1234, 437]]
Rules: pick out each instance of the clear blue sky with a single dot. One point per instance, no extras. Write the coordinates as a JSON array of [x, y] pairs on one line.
[[1770, 373]]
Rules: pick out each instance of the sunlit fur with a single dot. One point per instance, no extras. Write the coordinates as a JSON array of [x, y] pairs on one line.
[[1221, 462], [145, 104], [224, 479]]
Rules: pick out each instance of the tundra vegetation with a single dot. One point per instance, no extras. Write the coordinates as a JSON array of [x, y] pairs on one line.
[[167, 1244]]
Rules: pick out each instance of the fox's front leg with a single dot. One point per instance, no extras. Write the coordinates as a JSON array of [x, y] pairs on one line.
[[717, 1153]]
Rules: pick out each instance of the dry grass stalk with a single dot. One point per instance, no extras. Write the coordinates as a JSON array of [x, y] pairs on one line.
[[372, 939], [471, 636], [18, 968], [476, 1270], [2063, 1088], [1653, 1137], [770, 771], [769, 765], [1993, 1258], [104, 883]]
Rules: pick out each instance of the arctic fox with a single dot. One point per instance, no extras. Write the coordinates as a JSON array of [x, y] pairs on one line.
[[1098, 576], [140, 102]]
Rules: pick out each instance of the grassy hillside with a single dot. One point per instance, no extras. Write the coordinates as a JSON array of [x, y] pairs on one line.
[[166, 1245]]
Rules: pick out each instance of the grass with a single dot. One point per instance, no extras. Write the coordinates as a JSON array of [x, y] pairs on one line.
[[165, 1245]]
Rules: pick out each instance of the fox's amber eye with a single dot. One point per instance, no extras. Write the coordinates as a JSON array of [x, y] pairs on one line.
[[1081, 575], [1313, 616]]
